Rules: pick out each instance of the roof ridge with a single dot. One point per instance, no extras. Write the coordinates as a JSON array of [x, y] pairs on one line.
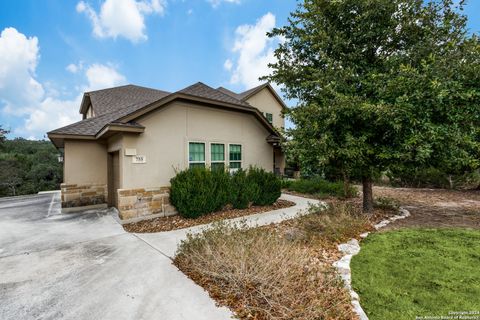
[[223, 95], [123, 86]]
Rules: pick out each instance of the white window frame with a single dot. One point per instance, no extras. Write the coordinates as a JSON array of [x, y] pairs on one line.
[[242, 154], [224, 153], [204, 153]]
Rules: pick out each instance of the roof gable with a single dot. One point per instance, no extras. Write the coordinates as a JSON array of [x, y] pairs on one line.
[[244, 96], [123, 105], [113, 99]]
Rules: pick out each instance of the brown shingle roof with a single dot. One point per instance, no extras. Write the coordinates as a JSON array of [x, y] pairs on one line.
[[229, 92], [91, 126], [114, 104], [200, 89], [113, 99], [243, 95]]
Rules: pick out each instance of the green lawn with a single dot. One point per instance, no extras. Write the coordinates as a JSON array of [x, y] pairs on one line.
[[418, 272]]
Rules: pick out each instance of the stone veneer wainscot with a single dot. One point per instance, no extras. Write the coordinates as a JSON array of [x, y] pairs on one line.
[[144, 203], [79, 195]]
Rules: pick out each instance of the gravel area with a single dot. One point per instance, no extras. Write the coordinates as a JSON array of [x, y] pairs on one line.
[[178, 222]]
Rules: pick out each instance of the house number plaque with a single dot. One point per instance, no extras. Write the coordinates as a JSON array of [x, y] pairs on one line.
[[139, 159]]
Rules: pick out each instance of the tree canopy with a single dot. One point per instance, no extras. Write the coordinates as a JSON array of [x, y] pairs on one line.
[[381, 84], [28, 167], [3, 134]]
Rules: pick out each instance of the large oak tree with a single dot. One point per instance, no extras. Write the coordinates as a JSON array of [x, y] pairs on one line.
[[381, 84]]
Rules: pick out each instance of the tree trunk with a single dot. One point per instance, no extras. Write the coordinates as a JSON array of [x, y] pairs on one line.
[[367, 194]]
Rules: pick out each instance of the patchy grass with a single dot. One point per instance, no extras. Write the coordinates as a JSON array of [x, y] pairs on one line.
[[279, 271], [418, 272]]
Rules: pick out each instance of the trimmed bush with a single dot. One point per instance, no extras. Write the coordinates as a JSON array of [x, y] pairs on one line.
[[242, 191], [268, 186], [198, 191], [322, 187]]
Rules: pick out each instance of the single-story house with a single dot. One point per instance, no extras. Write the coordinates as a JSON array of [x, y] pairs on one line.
[[132, 140]]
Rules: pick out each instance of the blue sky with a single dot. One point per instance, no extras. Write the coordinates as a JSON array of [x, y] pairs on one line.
[[51, 51]]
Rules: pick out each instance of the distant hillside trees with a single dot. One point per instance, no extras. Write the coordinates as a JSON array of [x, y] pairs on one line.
[[27, 166]]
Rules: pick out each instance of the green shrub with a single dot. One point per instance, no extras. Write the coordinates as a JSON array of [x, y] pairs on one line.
[[286, 183], [242, 191], [322, 187], [267, 187], [432, 178], [222, 188], [198, 191], [386, 203]]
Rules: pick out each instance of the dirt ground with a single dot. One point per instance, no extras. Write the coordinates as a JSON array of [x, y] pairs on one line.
[[178, 222], [435, 208]]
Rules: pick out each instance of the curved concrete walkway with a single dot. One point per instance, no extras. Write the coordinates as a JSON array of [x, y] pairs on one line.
[[85, 266], [167, 242]]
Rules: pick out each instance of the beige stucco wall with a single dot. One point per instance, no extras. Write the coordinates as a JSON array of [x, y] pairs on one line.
[[85, 162], [170, 129], [266, 102]]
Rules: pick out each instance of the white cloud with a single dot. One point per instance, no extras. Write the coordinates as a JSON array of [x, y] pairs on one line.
[[252, 51], [74, 68], [49, 114], [216, 3], [22, 95], [100, 76], [228, 65], [121, 18], [18, 59]]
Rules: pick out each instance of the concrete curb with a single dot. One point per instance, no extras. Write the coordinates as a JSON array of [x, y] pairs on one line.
[[99, 206], [352, 248]]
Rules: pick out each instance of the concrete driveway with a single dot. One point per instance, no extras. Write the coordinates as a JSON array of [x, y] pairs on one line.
[[85, 266]]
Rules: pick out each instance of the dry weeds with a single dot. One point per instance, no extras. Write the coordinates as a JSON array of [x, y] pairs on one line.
[[279, 271]]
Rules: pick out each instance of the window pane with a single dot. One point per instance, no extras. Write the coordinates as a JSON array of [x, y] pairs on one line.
[[218, 152], [197, 151], [218, 166], [269, 117], [235, 152], [235, 165], [197, 165]]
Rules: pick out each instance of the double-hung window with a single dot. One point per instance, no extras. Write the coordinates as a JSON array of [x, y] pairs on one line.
[[217, 156], [235, 152], [196, 154], [269, 117]]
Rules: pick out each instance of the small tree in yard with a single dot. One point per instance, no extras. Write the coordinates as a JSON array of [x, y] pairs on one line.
[[381, 84]]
